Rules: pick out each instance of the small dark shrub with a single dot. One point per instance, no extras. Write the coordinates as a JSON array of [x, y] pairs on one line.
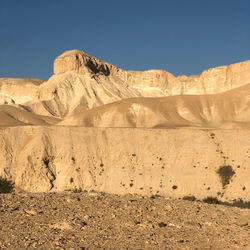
[[6, 186], [211, 200], [189, 198], [225, 173], [236, 203]]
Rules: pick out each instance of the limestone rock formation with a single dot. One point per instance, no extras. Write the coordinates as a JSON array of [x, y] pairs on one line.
[[21, 90], [90, 126], [82, 82], [76, 60], [169, 162], [225, 110]]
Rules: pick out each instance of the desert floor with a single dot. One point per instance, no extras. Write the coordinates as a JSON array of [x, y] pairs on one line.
[[91, 220]]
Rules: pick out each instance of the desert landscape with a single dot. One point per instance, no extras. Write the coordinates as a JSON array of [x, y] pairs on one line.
[[99, 157]]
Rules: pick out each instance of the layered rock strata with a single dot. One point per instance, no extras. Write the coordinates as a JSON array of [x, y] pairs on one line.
[[201, 150], [169, 162]]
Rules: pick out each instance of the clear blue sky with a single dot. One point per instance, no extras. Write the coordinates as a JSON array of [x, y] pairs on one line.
[[180, 36]]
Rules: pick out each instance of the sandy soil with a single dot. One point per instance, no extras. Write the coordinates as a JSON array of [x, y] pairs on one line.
[[103, 221]]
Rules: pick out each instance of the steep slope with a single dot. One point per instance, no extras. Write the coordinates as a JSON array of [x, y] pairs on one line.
[[14, 115], [211, 81], [231, 107], [82, 82], [169, 162], [68, 92], [188, 157], [21, 90]]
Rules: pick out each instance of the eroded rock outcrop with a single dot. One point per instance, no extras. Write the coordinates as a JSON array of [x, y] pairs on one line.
[[188, 157], [211, 81], [20, 90], [169, 162], [81, 62], [230, 109], [82, 82]]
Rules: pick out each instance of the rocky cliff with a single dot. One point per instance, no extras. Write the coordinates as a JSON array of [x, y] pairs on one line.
[[169, 162], [82, 82], [92, 129]]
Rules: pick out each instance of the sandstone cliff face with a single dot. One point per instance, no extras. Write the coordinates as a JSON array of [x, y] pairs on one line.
[[82, 82], [69, 92], [105, 83], [175, 162], [76, 60], [211, 81], [217, 80], [203, 149]]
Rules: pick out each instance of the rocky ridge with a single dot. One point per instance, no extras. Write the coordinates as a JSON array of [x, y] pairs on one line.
[[82, 82]]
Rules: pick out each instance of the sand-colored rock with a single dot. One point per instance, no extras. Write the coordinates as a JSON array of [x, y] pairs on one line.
[[230, 109], [204, 126], [6, 99], [76, 60], [16, 115], [211, 81], [82, 82], [70, 92], [169, 162], [21, 90]]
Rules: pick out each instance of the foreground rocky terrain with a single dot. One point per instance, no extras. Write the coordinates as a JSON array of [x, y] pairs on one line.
[[92, 220]]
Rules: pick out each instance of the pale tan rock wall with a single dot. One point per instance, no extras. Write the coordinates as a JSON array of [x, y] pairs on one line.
[[170, 162], [217, 80], [79, 61], [21, 90], [211, 81]]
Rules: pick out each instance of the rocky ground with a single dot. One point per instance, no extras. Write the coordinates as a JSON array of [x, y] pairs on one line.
[[104, 221]]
